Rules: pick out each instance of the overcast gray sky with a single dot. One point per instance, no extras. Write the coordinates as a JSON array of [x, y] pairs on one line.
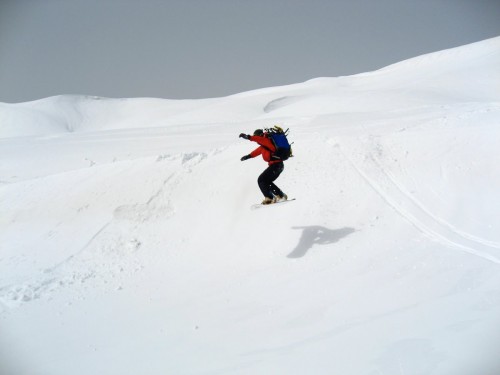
[[208, 48]]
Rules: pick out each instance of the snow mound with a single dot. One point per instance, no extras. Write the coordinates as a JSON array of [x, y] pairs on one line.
[[461, 74]]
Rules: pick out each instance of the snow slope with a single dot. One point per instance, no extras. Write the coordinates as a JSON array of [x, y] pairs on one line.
[[128, 245]]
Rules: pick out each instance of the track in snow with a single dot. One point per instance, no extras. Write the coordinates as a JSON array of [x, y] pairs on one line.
[[395, 195]]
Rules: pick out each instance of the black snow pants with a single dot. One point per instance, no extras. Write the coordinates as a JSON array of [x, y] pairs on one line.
[[267, 178]]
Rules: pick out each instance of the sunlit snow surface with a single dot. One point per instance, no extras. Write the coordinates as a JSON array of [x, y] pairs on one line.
[[128, 244]]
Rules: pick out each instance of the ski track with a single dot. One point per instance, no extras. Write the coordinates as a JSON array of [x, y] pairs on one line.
[[421, 206], [413, 211]]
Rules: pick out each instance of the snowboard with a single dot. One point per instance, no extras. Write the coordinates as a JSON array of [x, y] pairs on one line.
[[259, 205]]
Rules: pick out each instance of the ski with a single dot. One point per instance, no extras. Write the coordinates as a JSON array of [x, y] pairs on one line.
[[259, 205]]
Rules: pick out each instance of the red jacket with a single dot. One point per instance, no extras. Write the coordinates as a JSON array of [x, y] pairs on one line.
[[265, 149]]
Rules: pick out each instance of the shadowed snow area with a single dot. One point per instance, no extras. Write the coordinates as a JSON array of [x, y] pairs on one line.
[[128, 244]]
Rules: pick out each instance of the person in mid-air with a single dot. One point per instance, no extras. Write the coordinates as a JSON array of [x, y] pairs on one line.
[[267, 149]]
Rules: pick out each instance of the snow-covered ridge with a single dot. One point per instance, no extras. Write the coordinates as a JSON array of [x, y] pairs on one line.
[[443, 76]]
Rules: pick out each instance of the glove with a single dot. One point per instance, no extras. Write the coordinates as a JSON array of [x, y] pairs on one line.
[[243, 135], [245, 157]]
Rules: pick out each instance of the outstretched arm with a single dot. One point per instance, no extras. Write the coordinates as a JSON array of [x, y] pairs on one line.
[[263, 141], [253, 154]]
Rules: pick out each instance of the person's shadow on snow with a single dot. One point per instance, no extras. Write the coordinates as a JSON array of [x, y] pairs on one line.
[[317, 235]]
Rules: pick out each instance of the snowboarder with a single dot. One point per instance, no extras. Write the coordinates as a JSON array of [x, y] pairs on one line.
[[272, 193]]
